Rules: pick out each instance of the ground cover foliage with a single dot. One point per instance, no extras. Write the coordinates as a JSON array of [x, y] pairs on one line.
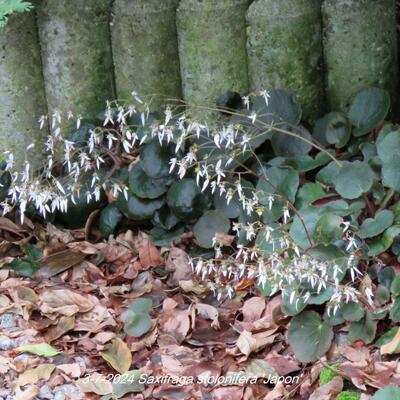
[[254, 246]]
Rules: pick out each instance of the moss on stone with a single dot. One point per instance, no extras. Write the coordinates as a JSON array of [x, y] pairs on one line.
[[212, 49], [145, 50], [76, 52], [285, 50], [360, 46], [22, 99]]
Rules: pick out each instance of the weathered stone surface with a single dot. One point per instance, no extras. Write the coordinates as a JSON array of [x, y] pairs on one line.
[[76, 52], [212, 49], [360, 46], [145, 50], [22, 99], [285, 50]]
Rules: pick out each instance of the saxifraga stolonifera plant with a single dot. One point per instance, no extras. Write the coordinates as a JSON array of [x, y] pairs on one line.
[[222, 159]]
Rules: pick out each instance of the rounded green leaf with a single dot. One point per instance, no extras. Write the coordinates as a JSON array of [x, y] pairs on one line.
[[145, 186], [368, 110], [309, 217], [390, 173], [309, 337], [141, 306], [395, 286], [364, 330], [138, 209], [275, 180], [283, 106], [308, 193], [162, 237], [375, 226], [328, 229], [155, 159], [164, 218], [395, 310], [186, 200], [235, 207], [391, 392], [388, 146], [381, 243], [328, 174], [354, 179], [333, 128], [273, 244], [295, 142], [352, 311], [109, 219], [137, 324], [382, 295], [208, 225]]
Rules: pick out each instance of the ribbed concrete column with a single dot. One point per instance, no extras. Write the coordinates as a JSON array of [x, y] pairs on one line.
[[360, 45], [212, 49], [285, 50], [22, 99], [145, 50], [76, 52]]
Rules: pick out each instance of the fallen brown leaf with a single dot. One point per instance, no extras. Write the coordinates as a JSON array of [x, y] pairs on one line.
[[34, 375], [149, 255], [118, 356]]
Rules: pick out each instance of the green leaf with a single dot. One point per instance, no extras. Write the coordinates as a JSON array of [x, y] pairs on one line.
[[310, 217], [234, 208], [165, 218], [129, 382], [283, 106], [386, 276], [23, 268], [391, 392], [325, 376], [381, 243], [348, 395], [40, 349], [186, 200], [395, 310], [368, 110], [328, 229], [352, 312], [145, 186], [382, 295], [364, 330], [139, 209], [387, 337], [309, 337], [295, 143], [163, 237], [354, 179], [308, 193], [390, 173], [266, 289], [155, 159], [136, 318], [328, 174], [305, 163], [141, 306], [388, 146], [333, 128], [273, 245], [375, 226], [280, 181], [293, 308], [395, 286], [210, 223], [110, 217]]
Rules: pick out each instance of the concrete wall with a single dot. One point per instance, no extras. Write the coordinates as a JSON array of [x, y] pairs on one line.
[[67, 55]]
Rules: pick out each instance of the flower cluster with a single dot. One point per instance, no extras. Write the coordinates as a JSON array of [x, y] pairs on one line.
[[212, 154]]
